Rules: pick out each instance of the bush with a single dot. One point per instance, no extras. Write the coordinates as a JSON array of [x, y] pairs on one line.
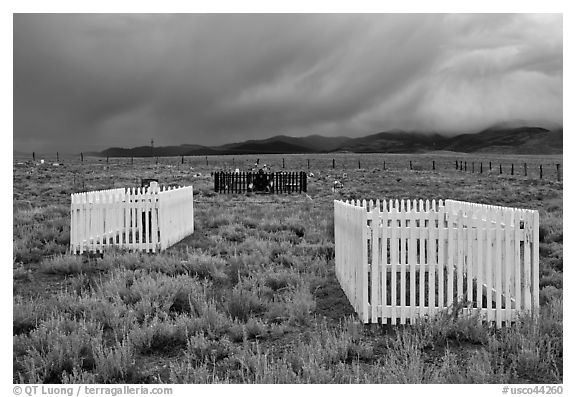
[[207, 267], [27, 314], [280, 280], [551, 278], [302, 304], [450, 324], [549, 294], [19, 272], [160, 337], [58, 346], [298, 230], [243, 304], [63, 265]]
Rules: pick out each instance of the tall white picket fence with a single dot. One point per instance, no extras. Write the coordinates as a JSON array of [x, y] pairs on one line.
[[400, 260], [145, 219]]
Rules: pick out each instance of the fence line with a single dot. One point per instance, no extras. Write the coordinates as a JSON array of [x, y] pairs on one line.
[[530, 169], [549, 170], [146, 219], [402, 260]]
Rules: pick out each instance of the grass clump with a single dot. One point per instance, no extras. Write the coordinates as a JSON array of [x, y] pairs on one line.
[[63, 265]]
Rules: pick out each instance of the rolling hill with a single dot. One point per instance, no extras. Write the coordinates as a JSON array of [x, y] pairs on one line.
[[497, 139]]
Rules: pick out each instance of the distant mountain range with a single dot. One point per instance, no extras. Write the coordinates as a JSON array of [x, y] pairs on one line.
[[498, 139]]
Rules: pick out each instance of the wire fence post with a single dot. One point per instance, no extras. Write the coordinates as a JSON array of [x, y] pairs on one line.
[[540, 171]]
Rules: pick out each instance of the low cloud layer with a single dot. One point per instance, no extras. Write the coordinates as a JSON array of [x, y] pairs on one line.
[[87, 82]]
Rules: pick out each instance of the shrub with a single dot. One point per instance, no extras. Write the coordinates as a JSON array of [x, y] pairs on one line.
[[115, 364], [404, 362], [551, 233], [302, 304], [280, 280], [232, 233], [208, 267], [27, 314], [159, 337], [59, 345], [551, 278], [298, 230], [242, 304], [19, 272], [450, 324], [64, 265], [549, 294]]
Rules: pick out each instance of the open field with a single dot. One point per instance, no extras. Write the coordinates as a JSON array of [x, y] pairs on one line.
[[252, 296]]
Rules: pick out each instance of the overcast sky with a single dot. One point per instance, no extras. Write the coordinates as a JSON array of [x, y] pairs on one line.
[[88, 82]]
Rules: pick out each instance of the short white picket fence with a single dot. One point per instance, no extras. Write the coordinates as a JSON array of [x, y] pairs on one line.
[[144, 219], [398, 261]]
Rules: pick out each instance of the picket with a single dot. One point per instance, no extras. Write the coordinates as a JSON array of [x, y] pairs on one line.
[[480, 225], [403, 243], [133, 218], [517, 262], [489, 260], [535, 254], [433, 232], [385, 232], [394, 245], [527, 273], [451, 260], [508, 261], [374, 276], [498, 268], [364, 253], [460, 256], [424, 245], [401, 260], [469, 259], [412, 263], [441, 253]]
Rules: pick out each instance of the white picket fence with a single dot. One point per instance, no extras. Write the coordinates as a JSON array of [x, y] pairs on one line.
[[401, 260], [145, 219]]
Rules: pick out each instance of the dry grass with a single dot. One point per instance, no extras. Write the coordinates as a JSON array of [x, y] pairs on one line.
[[251, 297]]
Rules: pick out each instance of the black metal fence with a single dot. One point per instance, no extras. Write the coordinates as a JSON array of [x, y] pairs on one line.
[[265, 182]]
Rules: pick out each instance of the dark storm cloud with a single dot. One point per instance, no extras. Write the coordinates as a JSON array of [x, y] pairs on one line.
[[85, 82]]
